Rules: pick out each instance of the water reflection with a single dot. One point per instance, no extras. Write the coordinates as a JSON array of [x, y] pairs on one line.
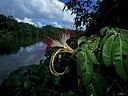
[[25, 56]]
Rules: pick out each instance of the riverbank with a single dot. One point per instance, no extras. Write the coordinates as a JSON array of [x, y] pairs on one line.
[[14, 35], [31, 54]]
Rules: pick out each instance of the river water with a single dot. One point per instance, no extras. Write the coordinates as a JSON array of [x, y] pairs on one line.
[[25, 56]]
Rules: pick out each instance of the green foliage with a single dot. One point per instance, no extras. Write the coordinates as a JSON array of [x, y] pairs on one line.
[[83, 10], [13, 35], [114, 49], [84, 67], [107, 49], [99, 67], [112, 44], [32, 80], [103, 13]]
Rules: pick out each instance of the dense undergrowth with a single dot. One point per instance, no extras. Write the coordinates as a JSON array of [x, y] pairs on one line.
[[98, 67]]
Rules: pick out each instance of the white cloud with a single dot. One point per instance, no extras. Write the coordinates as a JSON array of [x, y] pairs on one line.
[[30, 21], [25, 20], [39, 24], [36, 9], [55, 24]]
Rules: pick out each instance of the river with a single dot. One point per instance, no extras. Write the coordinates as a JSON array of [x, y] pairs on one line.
[[25, 56]]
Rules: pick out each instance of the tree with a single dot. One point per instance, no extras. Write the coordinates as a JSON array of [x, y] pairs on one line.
[[106, 13], [84, 11]]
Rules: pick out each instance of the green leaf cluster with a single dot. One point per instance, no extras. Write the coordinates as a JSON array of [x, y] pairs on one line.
[[115, 45], [98, 67]]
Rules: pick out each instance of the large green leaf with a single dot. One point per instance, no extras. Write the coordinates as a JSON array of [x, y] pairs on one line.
[[94, 44], [107, 32], [85, 67], [97, 87], [91, 90], [126, 65], [82, 39], [124, 32], [107, 51], [79, 61], [124, 44], [117, 57], [100, 84], [92, 57], [103, 30]]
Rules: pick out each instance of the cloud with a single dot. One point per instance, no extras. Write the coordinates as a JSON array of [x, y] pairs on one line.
[[36, 9], [25, 20], [39, 24], [30, 21], [55, 24]]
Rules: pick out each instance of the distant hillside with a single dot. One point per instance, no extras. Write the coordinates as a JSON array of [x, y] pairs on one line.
[[15, 34], [21, 30]]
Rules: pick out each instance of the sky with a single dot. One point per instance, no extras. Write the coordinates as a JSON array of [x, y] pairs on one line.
[[38, 12]]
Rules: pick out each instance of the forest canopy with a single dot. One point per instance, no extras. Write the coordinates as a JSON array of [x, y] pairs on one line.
[[105, 13], [15, 34], [97, 65]]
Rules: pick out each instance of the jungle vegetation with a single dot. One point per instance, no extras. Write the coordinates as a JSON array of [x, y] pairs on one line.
[[95, 65], [14, 35]]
